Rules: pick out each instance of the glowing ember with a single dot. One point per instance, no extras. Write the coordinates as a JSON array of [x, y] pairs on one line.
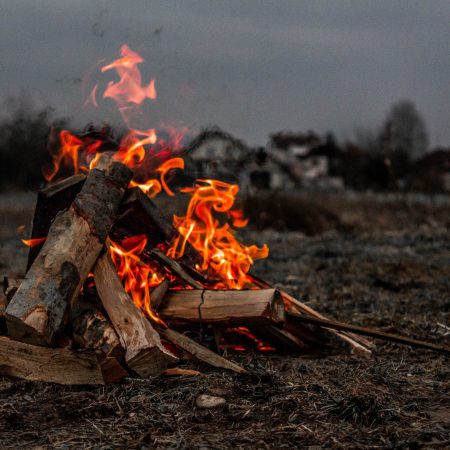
[[33, 242]]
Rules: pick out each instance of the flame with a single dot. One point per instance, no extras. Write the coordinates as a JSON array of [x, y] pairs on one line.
[[128, 91], [137, 276], [173, 163], [224, 258], [33, 242]]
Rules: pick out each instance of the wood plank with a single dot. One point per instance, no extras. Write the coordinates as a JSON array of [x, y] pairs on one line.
[[199, 351], [39, 309], [145, 353], [223, 307], [55, 365]]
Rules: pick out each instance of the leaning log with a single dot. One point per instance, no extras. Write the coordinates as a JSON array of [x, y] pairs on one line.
[[145, 353], [55, 365], [38, 310], [200, 352], [223, 308]]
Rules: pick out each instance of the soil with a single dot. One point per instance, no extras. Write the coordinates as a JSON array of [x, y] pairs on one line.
[[396, 278]]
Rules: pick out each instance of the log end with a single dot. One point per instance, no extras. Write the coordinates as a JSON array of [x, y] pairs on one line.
[[150, 362]]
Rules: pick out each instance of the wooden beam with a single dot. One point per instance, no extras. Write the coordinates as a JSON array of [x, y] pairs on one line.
[[54, 365], [223, 307], [198, 351], [145, 353], [38, 310]]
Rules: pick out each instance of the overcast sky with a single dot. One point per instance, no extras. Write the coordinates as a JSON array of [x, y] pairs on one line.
[[253, 67]]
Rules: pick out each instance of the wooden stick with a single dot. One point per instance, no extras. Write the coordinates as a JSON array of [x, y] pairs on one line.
[[175, 268], [145, 353], [200, 352], [55, 365], [226, 308], [38, 310], [372, 332], [358, 343]]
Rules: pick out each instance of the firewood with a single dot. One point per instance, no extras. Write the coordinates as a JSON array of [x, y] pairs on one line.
[[50, 201], [139, 215], [358, 345], [175, 268], [91, 329], [55, 365], [224, 308], [38, 310], [198, 351], [145, 353], [157, 294], [379, 334]]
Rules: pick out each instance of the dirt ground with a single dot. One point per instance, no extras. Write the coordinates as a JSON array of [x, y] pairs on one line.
[[393, 277]]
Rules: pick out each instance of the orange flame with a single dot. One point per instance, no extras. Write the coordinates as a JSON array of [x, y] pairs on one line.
[[33, 242], [137, 277], [223, 256], [129, 89], [173, 163]]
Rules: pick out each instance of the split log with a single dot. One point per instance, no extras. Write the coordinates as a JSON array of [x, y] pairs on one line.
[[50, 201], [38, 310], [55, 365], [157, 294], [198, 351], [91, 329], [145, 353], [223, 308]]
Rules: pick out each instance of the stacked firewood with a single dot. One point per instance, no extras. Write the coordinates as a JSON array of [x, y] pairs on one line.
[[58, 327]]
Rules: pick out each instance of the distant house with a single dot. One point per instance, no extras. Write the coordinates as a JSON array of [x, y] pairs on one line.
[[431, 173], [309, 160], [217, 154]]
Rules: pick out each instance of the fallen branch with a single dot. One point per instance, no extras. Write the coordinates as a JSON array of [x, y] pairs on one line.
[[372, 332]]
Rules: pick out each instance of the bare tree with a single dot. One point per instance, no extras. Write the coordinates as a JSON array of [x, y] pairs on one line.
[[405, 130]]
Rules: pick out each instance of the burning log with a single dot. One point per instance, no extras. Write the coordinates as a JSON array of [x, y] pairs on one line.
[[55, 365], [145, 353], [223, 308], [199, 351], [38, 310], [157, 294]]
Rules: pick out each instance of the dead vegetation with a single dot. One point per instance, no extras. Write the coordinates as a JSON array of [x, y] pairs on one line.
[[396, 280]]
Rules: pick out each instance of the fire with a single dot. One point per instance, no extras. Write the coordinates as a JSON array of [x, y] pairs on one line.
[[224, 257], [210, 221], [128, 91], [33, 242], [137, 276]]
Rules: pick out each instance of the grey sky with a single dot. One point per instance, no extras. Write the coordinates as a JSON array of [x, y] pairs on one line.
[[252, 67]]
